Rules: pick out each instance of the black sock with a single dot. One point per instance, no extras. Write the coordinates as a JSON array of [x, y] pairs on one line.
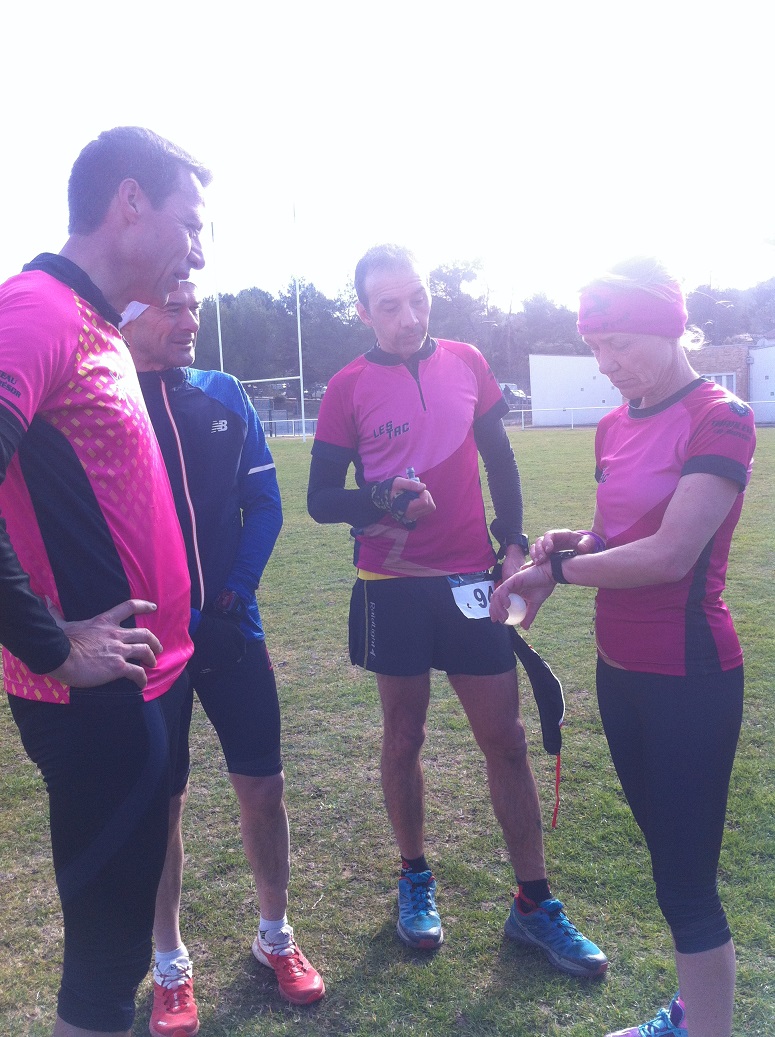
[[414, 866], [531, 894]]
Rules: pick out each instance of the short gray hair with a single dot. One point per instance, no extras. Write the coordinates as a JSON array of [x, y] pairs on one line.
[[381, 257]]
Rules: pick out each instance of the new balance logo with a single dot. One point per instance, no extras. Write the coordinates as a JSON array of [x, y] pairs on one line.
[[220, 426]]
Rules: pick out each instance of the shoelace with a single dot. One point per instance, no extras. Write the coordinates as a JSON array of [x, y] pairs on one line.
[[284, 944], [422, 897], [181, 977], [286, 953], [177, 998], [659, 1026], [292, 963], [561, 920], [177, 974]]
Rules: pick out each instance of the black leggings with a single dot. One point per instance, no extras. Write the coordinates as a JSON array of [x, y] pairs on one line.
[[673, 741], [105, 759]]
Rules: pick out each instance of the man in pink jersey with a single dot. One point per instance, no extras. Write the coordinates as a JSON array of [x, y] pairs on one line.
[[89, 539], [413, 415]]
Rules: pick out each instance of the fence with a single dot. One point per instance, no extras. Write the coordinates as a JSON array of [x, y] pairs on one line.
[[528, 417], [580, 417], [290, 427], [552, 417]]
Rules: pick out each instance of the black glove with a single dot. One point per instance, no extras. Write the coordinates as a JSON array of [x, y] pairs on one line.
[[218, 643], [380, 497]]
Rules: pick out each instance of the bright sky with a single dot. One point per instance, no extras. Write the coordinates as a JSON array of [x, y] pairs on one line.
[[544, 140]]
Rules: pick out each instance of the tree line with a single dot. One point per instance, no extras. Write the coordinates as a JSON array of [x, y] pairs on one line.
[[259, 331]]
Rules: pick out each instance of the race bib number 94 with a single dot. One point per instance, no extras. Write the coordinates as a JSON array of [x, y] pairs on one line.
[[472, 593]]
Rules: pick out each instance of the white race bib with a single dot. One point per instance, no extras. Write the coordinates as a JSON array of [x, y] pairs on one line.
[[472, 593]]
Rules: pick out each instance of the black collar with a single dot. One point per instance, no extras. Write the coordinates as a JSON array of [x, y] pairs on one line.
[[379, 356], [74, 277], [171, 376], [635, 411]]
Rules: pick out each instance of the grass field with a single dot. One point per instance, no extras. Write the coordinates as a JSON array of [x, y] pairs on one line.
[[344, 859]]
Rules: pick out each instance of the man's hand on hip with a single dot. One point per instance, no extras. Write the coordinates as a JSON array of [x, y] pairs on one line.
[[102, 651]]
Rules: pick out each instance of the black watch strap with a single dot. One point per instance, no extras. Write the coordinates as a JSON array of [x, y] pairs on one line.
[[231, 604], [521, 541], [556, 560]]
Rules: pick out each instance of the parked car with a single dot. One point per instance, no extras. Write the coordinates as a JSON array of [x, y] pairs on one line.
[[513, 395]]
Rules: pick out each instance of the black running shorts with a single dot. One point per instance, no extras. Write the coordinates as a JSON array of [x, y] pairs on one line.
[[241, 703], [406, 626]]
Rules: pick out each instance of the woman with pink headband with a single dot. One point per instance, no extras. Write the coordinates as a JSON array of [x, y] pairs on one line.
[[671, 466]]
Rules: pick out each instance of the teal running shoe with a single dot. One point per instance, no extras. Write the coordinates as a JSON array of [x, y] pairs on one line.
[[419, 924], [667, 1023], [549, 928]]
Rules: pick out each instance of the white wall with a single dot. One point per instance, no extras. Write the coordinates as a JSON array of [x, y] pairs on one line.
[[761, 383], [569, 390]]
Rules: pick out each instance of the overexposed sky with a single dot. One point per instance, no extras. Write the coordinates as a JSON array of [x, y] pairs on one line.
[[544, 140]]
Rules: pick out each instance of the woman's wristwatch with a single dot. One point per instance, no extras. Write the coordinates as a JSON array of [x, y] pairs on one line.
[[555, 561]]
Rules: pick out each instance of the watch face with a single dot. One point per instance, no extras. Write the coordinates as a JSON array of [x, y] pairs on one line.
[[230, 603]]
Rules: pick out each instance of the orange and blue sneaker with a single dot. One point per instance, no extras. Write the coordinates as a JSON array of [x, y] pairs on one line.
[[548, 927], [174, 1011], [419, 924], [298, 981], [669, 1022]]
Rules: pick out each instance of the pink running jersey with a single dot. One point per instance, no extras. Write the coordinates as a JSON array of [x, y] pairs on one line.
[[681, 628], [86, 497], [393, 421]]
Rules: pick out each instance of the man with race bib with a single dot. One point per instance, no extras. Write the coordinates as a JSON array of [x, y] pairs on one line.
[[412, 415]]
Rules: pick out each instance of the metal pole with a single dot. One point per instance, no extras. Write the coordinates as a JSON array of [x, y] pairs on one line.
[[217, 301], [298, 335], [301, 367]]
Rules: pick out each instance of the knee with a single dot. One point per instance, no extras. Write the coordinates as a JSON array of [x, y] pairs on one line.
[[508, 743], [259, 796], [402, 741], [695, 915]]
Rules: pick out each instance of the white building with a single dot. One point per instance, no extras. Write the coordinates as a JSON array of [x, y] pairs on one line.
[[761, 377], [569, 390]]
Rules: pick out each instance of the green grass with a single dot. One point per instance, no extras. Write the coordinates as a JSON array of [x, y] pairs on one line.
[[344, 857]]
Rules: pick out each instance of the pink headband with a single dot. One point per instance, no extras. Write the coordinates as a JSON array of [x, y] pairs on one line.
[[603, 309]]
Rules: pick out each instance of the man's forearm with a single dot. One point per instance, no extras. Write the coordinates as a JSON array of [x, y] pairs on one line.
[[502, 478], [329, 501]]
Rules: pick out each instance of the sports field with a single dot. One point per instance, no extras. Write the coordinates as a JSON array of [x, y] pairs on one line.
[[343, 902]]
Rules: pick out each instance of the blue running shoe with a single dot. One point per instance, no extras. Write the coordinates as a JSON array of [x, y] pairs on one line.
[[549, 928], [667, 1023], [419, 924]]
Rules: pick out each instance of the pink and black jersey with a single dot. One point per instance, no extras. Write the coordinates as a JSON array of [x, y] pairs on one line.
[[682, 628], [86, 501], [384, 416]]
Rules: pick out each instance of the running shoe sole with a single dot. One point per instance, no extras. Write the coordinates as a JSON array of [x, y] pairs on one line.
[[420, 943]]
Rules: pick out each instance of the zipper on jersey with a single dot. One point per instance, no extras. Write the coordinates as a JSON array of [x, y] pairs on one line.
[[189, 502]]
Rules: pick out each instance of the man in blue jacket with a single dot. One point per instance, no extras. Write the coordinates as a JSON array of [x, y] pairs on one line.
[[228, 502]]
